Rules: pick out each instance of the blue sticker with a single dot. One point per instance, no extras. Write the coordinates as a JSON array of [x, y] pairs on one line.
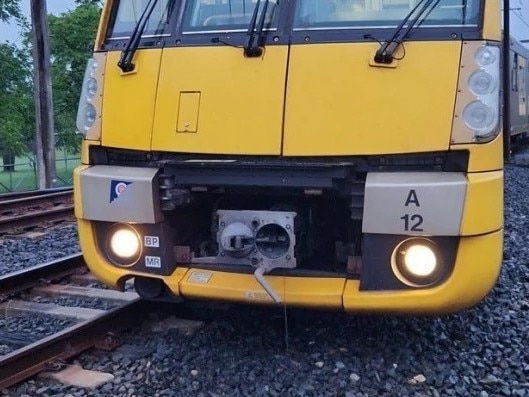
[[117, 188]]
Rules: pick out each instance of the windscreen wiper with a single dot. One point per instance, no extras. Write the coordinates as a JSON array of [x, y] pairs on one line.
[[127, 56], [385, 54], [253, 46]]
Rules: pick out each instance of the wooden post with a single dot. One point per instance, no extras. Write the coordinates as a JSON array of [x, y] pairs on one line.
[[45, 129]]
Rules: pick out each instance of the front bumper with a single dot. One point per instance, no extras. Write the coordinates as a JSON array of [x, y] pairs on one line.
[[476, 263], [476, 269]]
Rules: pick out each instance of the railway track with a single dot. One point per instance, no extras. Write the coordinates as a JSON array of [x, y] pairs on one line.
[[32, 193], [60, 280], [23, 211]]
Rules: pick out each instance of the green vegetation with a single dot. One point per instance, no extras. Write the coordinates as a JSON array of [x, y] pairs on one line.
[[24, 176], [9, 9], [72, 39], [72, 34]]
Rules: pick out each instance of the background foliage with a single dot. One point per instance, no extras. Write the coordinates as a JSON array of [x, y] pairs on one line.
[[71, 35], [9, 9]]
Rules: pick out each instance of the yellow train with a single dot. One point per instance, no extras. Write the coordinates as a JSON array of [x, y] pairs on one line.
[[332, 154]]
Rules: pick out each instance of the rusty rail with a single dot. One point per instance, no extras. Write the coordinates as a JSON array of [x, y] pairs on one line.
[[26, 212], [32, 193], [38, 356]]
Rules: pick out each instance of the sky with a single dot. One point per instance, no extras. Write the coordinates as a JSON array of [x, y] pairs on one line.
[[10, 31], [520, 19]]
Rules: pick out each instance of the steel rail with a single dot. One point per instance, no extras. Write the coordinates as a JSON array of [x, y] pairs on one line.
[[25, 278], [33, 219], [30, 211], [41, 199], [32, 193], [38, 356]]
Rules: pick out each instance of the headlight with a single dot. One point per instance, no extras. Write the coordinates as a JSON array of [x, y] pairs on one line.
[[123, 245], [90, 102], [486, 56], [91, 86], [88, 116], [477, 114], [481, 83], [417, 262], [479, 117]]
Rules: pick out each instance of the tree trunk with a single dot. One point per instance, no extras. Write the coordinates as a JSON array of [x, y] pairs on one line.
[[9, 161]]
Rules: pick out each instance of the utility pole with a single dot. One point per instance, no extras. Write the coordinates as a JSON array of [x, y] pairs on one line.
[[45, 139], [506, 81]]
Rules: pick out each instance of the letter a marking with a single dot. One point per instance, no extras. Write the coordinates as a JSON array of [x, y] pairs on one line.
[[412, 199]]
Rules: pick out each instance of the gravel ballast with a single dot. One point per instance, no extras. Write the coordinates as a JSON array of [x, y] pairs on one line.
[[22, 253], [17, 332], [241, 351]]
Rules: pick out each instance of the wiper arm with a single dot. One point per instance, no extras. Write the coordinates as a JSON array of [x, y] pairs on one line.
[[386, 52], [253, 46], [125, 63]]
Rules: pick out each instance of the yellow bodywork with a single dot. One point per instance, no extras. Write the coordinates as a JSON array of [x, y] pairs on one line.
[[130, 98], [475, 272], [304, 100], [240, 110], [385, 110], [241, 106]]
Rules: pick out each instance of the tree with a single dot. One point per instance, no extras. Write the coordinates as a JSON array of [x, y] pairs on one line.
[[97, 3], [16, 103], [9, 9], [72, 36]]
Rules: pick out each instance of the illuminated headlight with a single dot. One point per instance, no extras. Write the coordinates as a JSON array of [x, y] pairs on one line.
[[123, 245], [417, 262]]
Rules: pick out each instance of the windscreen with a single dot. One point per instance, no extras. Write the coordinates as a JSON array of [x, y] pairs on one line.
[[225, 15], [129, 12], [317, 14]]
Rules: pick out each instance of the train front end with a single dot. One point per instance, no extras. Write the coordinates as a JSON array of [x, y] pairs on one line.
[[338, 154]]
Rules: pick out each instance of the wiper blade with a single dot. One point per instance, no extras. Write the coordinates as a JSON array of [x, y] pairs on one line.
[[126, 63], [386, 52], [253, 46]]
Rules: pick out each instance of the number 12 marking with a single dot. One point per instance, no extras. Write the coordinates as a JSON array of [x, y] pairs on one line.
[[414, 221]]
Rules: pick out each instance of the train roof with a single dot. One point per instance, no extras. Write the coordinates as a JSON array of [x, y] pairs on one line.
[[519, 48]]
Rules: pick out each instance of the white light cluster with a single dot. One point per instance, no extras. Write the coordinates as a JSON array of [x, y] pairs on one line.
[[87, 113], [482, 115]]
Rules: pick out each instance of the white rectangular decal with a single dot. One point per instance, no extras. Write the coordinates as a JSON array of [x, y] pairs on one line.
[[152, 241], [414, 203], [199, 277], [154, 262]]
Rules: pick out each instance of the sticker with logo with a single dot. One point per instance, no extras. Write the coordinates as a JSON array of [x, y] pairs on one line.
[[117, 188]]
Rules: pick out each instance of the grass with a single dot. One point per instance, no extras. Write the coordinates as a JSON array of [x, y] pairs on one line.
[[24, 176]]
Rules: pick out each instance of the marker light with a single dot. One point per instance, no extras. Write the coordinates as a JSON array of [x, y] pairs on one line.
[[416, 262], [124, 245]]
